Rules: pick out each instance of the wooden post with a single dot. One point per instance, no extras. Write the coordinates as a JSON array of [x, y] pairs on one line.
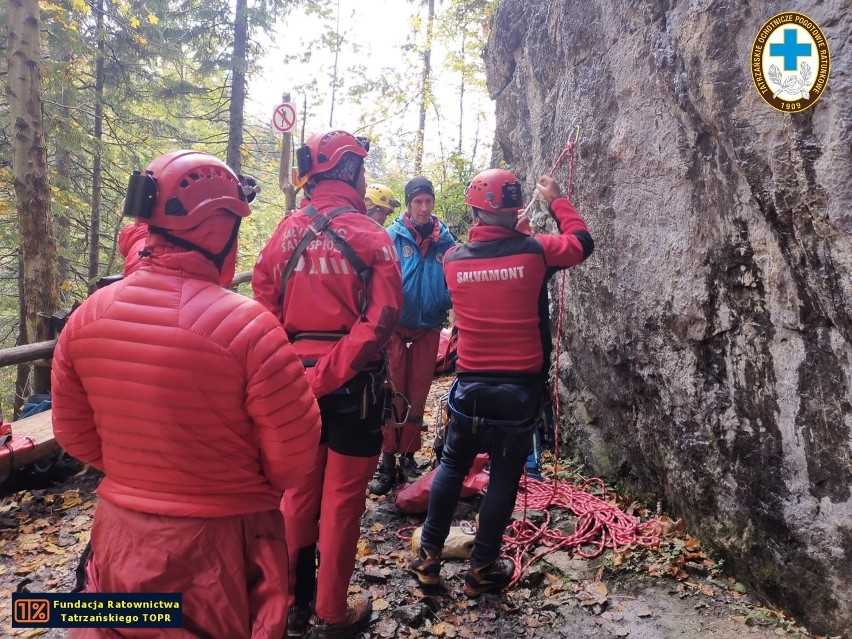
[[284, 165]]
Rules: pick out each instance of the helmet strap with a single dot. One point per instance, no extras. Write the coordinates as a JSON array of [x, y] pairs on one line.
[[218, 259]]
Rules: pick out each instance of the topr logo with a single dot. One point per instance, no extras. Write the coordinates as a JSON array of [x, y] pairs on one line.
[[790, 62]]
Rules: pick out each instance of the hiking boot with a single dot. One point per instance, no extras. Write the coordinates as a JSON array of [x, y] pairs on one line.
[[357, 617], [408, 469], [426, 566], [383, 480], [297, 621], [492, 576]]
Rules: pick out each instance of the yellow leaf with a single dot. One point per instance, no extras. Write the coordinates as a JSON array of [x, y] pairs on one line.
[[70, 502], [377, 527], [29, 541], [380, 604], [53, 548], [363, 548], [80, 5], [152, 19]]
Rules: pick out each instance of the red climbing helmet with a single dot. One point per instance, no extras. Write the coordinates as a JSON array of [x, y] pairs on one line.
[[495, 191], [323, 150], [180, 189]]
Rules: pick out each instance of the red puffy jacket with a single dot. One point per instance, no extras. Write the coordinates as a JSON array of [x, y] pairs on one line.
[[324, 292], [131, 241], [187, 395]]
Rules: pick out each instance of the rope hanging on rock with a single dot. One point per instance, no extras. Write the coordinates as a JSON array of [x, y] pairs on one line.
[[600, 524]]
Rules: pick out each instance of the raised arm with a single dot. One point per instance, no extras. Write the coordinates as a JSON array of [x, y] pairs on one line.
[[574, 242]]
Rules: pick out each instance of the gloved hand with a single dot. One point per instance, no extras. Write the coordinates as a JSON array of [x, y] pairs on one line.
[[249, 186]]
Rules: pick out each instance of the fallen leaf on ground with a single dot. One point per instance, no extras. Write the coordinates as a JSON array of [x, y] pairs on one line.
[[593, 593], [444, 630], [380, 604], [692, 544], [386, 628]]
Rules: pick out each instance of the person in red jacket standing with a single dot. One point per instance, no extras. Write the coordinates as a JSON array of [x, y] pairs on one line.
[[498, 283], [331, 275], [193, 403]]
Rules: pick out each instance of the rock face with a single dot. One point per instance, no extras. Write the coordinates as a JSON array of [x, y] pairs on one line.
[[707, 350]]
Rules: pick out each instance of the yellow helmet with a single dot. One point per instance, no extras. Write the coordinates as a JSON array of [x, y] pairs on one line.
[[380, 195]]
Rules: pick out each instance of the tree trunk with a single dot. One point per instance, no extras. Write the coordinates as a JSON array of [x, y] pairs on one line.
[[97, 173], [38, 286], [461, 97], [337, 44], [425, 91], [238, 86], [22, 371], [63, 182]]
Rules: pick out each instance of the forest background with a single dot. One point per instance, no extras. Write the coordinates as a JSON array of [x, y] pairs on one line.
[[98, 88]]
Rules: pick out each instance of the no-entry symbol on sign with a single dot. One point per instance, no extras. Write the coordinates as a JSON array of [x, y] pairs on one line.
[[284, 117]]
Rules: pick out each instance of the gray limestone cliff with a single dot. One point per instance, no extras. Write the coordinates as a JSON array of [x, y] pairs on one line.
[[707, 356]]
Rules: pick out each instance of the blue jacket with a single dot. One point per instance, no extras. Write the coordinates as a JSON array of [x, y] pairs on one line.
[[426, 298]]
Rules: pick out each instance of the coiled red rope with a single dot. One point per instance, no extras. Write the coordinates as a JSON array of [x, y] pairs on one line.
[[600, 524]]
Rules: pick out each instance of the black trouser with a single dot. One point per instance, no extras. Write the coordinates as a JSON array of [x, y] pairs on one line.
[[507, 447]]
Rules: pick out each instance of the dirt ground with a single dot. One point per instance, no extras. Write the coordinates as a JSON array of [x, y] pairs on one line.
[[674, 591]]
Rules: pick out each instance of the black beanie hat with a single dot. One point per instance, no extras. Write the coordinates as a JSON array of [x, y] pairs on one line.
[[418, 186]]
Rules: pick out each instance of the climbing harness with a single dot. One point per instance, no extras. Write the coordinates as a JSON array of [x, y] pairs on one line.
[[321, 224]]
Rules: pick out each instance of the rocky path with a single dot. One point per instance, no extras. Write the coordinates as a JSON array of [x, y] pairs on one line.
[[676, 591]]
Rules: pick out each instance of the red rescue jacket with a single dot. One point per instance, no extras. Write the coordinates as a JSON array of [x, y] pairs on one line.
[[131, 242], [187, 395], [324, 293], [498, 285]]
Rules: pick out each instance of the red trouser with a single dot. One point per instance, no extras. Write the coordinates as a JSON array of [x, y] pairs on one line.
[[325, 509], [230, 570], [411, 359]]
